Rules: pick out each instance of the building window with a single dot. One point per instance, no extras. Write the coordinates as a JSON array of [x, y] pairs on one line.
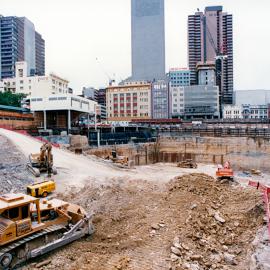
[[20, 72]]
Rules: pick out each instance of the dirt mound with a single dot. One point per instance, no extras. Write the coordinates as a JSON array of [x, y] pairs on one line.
[[222, 220], [194, 222]]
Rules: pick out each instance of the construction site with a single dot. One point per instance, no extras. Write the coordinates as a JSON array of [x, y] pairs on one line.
[[181, 202]]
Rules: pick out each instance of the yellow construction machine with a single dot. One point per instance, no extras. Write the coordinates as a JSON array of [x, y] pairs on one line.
[[42, 162], [41, 189], [120, 161], [30, 227]]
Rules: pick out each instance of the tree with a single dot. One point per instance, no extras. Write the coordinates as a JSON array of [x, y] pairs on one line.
[[10, 99]]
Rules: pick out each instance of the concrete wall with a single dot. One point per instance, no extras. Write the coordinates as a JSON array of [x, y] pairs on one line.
[[243, 153]]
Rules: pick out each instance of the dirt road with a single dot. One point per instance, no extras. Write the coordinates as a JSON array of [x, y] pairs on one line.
[[78, 170]]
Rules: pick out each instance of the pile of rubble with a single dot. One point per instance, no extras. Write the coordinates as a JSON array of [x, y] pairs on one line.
[[194, 222], [218, 230], [13, 174]]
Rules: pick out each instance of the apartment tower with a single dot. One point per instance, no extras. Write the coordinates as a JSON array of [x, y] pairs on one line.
[[210, 39], [20, 42]]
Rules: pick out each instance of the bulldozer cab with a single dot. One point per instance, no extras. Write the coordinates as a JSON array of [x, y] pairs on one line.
[[16, 219]]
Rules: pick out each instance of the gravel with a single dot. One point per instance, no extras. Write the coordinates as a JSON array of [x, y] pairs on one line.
[[14, 176]]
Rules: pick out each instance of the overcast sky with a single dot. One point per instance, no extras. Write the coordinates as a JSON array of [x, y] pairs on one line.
[[77, 32]]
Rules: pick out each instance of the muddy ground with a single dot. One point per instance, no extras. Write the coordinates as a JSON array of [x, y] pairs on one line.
[[193, 222]]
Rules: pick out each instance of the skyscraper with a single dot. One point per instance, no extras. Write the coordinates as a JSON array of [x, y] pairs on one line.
[[18, 43], [40, 55], [210, 38], [148, 39]]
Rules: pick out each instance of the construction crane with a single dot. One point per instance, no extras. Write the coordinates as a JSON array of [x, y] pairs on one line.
[[219, 58], [111, 80]]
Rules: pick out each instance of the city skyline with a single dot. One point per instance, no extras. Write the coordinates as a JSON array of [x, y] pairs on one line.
[[106, 34]]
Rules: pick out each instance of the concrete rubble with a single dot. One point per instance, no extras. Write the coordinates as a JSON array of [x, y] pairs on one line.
[[13, 174]]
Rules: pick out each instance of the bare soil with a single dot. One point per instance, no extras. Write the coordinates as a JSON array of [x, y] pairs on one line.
[[137, 222]]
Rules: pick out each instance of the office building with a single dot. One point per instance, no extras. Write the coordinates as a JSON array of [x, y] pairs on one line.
[[148, 40], [195, 102], [201, 101], [177, 101], [90, 93], [40, 55], [210, 38], [127, 102], [20, 42], [179, 77], [160, 100], [35, 85]]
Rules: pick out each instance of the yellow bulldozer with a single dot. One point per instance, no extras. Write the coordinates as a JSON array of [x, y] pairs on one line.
[[42, 161], [30, 227]]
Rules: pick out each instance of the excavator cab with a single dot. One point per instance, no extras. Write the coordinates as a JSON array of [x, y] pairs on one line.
[[42, 162], [225, 171]]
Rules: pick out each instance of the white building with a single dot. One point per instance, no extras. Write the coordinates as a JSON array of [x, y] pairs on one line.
[[35, 85], [177, 101], [60, 110], [232, 112], [2, 86]]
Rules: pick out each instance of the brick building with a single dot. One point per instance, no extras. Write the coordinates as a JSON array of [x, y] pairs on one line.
[[127, 102]]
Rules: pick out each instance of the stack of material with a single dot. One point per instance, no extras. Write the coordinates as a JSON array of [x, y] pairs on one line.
[[188, 163], [78, 143]]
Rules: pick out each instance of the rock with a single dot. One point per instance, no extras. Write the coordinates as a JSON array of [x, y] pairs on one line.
[[236, 224], [219, 218], [185, 247], [196, 257], [186, 265], [193, 206], [175, 251], [225, 248], [155, 226], [194, 266], [216, 258], [44, 263], [161, 225], [176, 240], [174, 257], [229, 259]]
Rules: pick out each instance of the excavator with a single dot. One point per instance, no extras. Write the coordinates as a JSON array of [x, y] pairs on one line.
[[225, 171], [119, 161], [42, 162], [31, 227]]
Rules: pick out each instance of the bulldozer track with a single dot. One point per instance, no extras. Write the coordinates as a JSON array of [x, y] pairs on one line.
[[12, 246]]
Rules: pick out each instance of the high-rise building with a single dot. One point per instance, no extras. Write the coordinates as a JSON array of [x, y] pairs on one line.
[[148, 39], [20, 42], [40, 55], [210, 38]]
